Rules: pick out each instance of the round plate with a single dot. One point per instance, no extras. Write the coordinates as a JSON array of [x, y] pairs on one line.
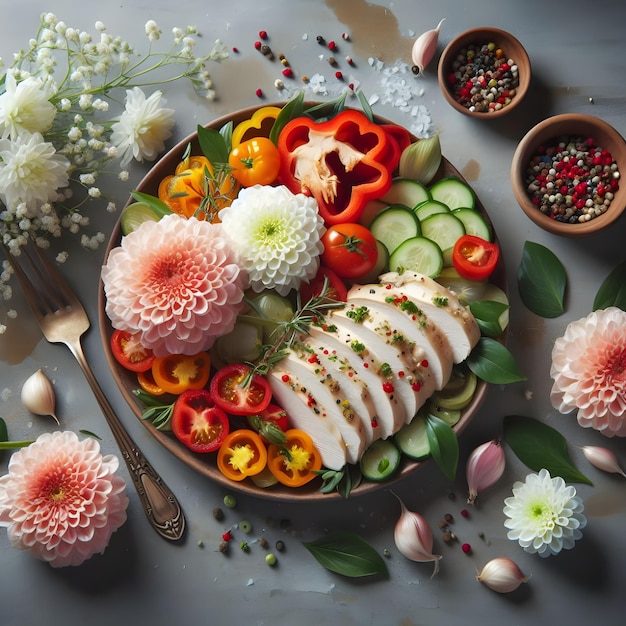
[[206, 464]]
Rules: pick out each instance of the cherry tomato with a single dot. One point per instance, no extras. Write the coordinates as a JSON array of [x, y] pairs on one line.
[[197, 422], [238, 391], [349, 250], [255, 162], [176, 373], [335, 290], [475, 258], [129, 352]]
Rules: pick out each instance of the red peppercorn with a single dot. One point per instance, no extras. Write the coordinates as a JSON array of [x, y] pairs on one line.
[[332, 45], [263, 34], [338, 75], [388, 387], [235, 49], [466, 548], [227, 536], [257, 45], [259, 93], [464, 513], [288, 72]]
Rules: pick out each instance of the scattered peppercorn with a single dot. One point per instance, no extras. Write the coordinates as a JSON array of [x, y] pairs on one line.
[[288, 72], [263, 542], [448, 537], [415, 69], [267, 52], [386, 553], [442, 523], [448, 517], [464, 513], [284, 62], [280, 545], [345, 36], [227, 536], [466, 548], [229, 500], [235, 49], [332, 45], [259, 93], [200, 543], [257, 45], [263, 34], [338, 75], [320, 40], [223, 547], [244, 546], [349, 60], [271, 559], [218, 514]]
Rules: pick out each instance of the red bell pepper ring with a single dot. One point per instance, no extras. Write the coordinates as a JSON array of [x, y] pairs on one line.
[[399, 138], [341, 162]]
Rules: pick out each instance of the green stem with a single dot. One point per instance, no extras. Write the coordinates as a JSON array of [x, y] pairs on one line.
[[11, 445]]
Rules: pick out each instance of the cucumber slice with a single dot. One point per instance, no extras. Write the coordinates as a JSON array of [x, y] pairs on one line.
[[406, 191], [418, 254], [412, 439], [380, 461], [382, 265], [449, 416], [444, 229], [453, 192], [493, 292], [394, 225], [474, 222], [428, 208], [459, 391]]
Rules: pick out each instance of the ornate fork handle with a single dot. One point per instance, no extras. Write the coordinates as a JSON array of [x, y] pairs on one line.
[[159, 503]]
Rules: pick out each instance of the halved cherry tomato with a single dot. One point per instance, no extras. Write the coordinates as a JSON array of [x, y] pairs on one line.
[[349, 250], [241, 454], [129, 352], [296, 461], [197, 422], [239, 392], [475, 258], [176, 373], [255, 162], [336, 288], [148, 384]]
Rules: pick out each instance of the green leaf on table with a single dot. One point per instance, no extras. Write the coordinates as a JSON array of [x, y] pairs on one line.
[[539, 446], [348, 554], [444, 446], [293, 108], [612, 291], [487, 314], [541, 280], [493, 363], [213, 145]]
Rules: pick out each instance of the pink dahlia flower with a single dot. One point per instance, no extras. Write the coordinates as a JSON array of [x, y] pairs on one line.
[[62, 499], [176, 282], [589, 371]]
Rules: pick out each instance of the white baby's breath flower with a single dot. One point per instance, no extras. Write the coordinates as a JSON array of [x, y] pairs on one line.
[[31, 170], [544, 514], [24, 107], [277, 234], [152, 30], [143, 127]]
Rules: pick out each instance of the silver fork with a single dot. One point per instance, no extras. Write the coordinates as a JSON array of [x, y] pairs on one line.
[[63, 319]]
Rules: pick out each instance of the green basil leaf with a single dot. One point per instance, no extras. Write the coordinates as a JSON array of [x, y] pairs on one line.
[[487, 314], [213, 145], [348, 554], [227, 133], [4, 433], [493, 363], [90, 434], [612, 291], [539, 446], [367, 109], [444, 446], [294, 108], [158, 207], [541, 280]]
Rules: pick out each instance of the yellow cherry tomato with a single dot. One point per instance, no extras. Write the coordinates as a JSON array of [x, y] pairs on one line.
[[255, 162]]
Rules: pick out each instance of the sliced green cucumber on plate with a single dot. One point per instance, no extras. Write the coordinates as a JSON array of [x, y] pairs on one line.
[[382, 265], [381, 460], [459, 390], [417, 254], [412, 439], [444, 229], [453, 192], [474, 222], [430, 207], [394, 225], [406, 191]]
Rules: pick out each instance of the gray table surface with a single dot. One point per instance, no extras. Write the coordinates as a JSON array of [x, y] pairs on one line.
[[579, 63]]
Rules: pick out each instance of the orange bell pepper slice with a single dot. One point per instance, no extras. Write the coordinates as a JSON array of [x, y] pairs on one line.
[[176, 373], [148, 384], [242, 454], [295, 462]]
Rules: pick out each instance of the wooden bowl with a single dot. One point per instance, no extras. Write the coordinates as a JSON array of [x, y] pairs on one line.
[[511, 48], [570, 126]]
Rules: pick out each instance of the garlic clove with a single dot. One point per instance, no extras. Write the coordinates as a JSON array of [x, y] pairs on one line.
[[501, 575], [38, 395], [414, 538], [485, 466], [424, 48], [421, 160], [603, 459]]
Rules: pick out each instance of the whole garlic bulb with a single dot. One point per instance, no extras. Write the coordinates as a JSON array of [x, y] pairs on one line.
[[38, 395]]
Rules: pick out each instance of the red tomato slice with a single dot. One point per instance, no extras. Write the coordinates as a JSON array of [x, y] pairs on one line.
[[129, 352], [197, 422], [475, 258], [349, 250], [236, 392], [336, 287]]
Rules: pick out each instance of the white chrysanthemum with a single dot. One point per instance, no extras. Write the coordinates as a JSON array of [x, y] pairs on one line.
[[143, 127], [24, 107], [589, 371], [544, 514], [277, 234], [31, 171]]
